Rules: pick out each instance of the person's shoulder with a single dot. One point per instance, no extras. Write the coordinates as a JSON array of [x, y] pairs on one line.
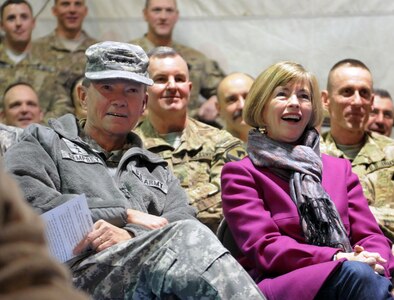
[[89, 39], [188, 52], [377, 142], [11, 129], [210, 133], [44, 39], [381, 139], [143, 42], [144, 156], [329, 160], [137, 41], [244, 163]]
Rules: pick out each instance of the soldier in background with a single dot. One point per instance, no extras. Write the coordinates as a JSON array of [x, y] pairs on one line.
[[21, 106], [18, 64], [232, 92], [17, 22], [205, 74], [349, 99], [195, 151], [64, 48], [381, 118]]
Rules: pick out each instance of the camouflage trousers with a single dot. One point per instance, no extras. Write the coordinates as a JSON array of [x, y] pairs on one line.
[[183, 260]]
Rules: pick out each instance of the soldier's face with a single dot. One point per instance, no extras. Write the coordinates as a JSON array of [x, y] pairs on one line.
[[232, 92], [161, 16], [21, 107], [17, 22], [113, 106], [350, 99], [381, 118], [70, 14], [171, 89]]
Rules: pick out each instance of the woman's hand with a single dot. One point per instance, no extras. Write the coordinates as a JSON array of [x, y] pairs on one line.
[[147, 220], [103, 236], [371, 258]]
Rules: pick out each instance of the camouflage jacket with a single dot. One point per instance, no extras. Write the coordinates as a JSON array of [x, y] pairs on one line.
[[197, 163], [66, 63], [54, 99], [374, 166], [8, 136], [205, 74]]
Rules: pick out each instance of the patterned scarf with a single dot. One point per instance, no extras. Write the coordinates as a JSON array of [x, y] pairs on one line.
[[301, 165]]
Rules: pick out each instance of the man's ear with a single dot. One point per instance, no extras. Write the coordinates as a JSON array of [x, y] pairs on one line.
[[217, 104], [325, 99], [82, 96], [145, 13], [144, 103]]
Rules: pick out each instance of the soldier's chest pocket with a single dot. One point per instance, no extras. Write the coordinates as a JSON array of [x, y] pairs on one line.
[[384, 187], [192, 170]]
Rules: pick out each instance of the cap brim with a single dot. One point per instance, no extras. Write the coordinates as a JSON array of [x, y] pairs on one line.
[[113, 74]]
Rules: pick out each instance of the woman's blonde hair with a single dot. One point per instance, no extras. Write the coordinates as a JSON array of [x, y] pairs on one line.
[[280, 74]]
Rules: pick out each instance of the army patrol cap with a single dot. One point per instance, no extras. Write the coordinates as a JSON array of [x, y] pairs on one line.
[[110, 60]]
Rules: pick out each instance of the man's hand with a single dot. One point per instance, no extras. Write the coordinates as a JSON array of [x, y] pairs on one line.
[[103, 236], [147, 220]]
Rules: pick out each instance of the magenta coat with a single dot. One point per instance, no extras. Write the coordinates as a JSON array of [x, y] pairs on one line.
[[266, 226]]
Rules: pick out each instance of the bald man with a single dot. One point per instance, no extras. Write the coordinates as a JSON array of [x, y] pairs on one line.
[[232, 92]]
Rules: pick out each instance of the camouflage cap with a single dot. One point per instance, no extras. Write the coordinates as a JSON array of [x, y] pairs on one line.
[[107, 60]]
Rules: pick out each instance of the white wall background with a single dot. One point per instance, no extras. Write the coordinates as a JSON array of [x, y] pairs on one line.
[[250, 35]]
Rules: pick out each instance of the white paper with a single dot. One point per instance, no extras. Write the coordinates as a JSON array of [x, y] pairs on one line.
[[66, 226]]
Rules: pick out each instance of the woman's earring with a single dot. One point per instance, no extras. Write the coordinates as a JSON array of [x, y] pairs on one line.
[[263, 130]]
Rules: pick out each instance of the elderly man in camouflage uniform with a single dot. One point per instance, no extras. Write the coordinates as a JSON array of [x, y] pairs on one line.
[[145, 243], [64, 48], [205, 74], [195, 151], [17, 63], [349, 98]]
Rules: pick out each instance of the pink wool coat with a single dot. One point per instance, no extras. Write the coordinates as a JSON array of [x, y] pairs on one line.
[[266, 226]]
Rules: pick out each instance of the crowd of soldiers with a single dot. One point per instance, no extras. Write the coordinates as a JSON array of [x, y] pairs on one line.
[[49, 72]]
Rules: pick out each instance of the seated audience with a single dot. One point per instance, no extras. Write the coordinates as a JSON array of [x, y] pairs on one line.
[[300, 217], [26, 269], [381, 118], [17, 23], [196, 152], [17, 63], [232, 91], [205, 74], [145, 243], [21, 106], [64, 48]]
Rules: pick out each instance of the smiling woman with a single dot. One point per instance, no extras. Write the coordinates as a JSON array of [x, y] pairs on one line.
[[293, 211]]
